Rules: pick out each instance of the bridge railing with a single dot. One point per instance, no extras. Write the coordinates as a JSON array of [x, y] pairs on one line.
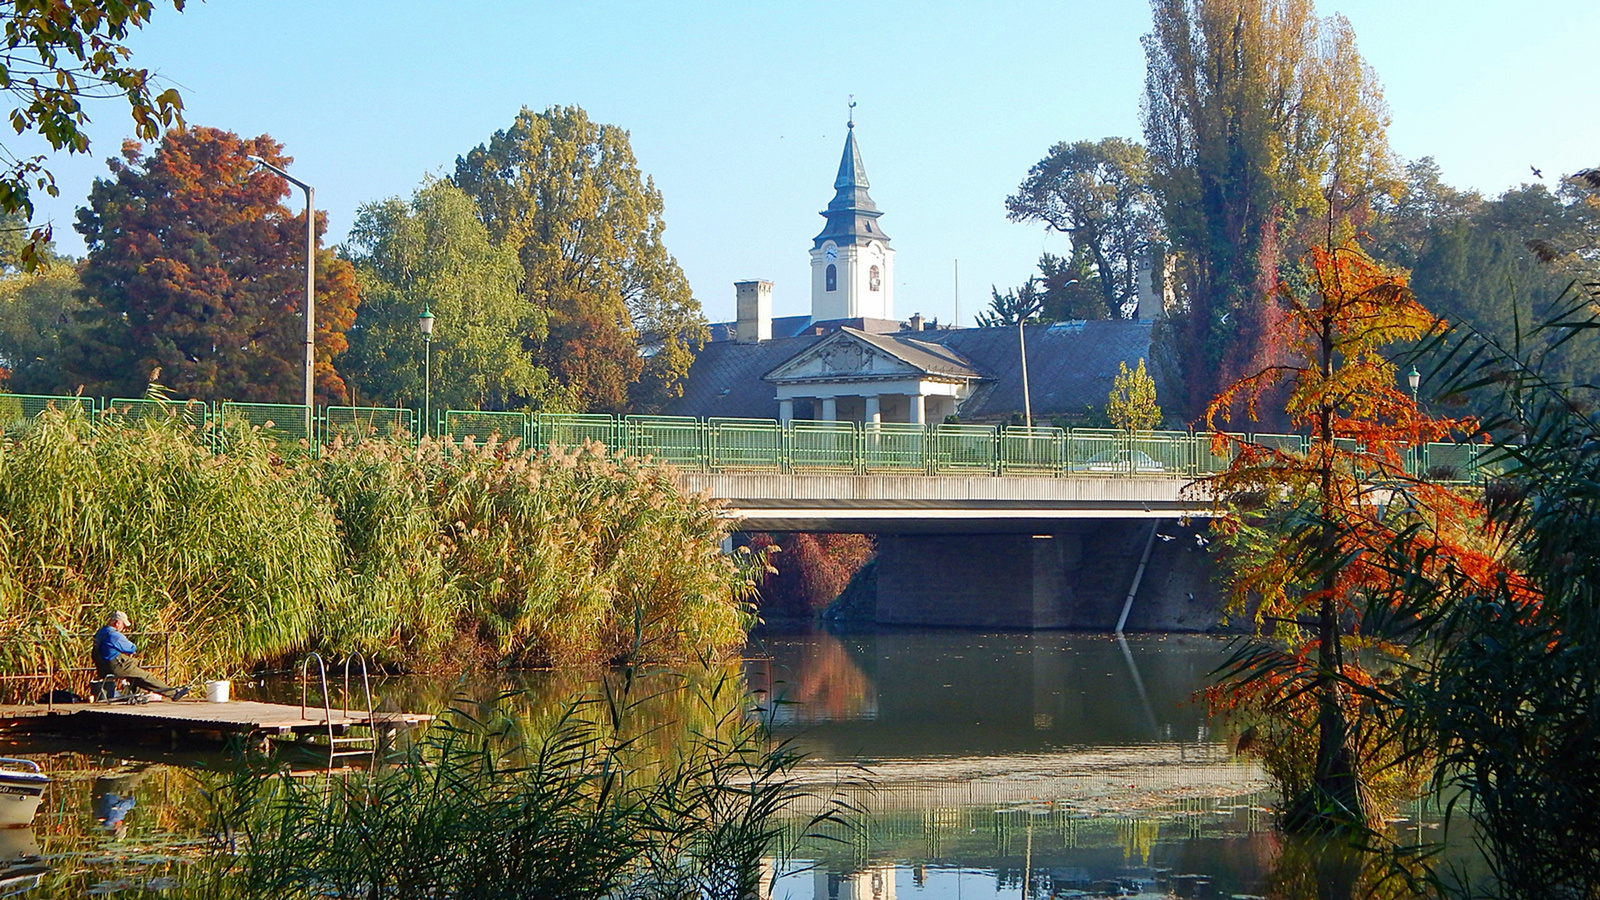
[[766, 445]]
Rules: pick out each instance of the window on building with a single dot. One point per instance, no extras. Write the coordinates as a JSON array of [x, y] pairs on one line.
[[830, 279], [872, 278]]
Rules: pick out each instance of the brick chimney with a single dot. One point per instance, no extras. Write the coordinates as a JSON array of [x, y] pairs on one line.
[[916, 321]]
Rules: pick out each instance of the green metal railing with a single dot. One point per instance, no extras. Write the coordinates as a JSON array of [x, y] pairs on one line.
[[766, 445]]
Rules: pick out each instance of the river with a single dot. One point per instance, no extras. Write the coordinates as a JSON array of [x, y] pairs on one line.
[[980, 765]]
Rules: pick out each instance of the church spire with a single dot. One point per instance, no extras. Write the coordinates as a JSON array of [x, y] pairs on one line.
[[851, 215]]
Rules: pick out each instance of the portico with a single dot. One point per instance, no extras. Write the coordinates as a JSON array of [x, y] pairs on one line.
[[853, 376]]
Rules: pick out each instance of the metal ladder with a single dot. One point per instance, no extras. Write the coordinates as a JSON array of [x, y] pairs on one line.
[[344, 744]]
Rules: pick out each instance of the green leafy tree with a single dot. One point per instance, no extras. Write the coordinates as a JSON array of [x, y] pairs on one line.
[[197, 269], [1266, 135], [57, 55], [1132, 404], [37, 305], [1098, 193], [433, 253], [566, 193], [1012, 307]]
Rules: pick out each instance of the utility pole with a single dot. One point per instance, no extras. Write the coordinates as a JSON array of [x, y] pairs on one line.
[[311, 289]]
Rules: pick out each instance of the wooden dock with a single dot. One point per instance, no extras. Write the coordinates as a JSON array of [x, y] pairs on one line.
[[244, 718]]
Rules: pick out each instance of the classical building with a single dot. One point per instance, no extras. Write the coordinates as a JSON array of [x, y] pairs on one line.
[[852, 360]]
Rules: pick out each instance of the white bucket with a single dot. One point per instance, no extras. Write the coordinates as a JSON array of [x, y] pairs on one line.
[[217, 691]]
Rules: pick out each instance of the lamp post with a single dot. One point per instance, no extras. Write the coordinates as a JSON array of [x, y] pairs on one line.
[[1022, 349], [311, 283], [1414, 378], [425, 325]]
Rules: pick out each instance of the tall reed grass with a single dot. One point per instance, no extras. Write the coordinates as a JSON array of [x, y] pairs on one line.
[[422, 557]]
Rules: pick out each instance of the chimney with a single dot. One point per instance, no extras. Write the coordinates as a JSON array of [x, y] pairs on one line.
[[916, 321], [753, 322]]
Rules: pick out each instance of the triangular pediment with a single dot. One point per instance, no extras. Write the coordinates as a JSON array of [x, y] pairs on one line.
[[842, 355]]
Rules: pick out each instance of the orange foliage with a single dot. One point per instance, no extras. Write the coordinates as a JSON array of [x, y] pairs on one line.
[[812, 569]]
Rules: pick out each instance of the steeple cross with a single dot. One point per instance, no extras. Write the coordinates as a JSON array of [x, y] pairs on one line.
[[852, 123]]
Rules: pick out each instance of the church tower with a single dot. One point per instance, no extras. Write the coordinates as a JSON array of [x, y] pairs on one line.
[[852, 264]]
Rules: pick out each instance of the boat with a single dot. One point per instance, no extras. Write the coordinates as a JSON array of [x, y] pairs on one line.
[[21, 789]]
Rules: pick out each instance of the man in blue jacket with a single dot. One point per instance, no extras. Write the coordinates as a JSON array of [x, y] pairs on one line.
[[113, 655]]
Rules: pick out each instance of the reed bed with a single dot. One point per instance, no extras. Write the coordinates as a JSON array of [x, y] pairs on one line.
[[248, 553]]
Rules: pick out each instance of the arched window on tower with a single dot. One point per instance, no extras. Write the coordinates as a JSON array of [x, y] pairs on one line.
[[872, 278], [830, 278]]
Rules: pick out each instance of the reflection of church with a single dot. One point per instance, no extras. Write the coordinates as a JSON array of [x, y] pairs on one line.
[[852, 360]]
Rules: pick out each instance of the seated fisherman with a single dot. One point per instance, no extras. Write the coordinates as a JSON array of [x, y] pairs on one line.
[[113, 655]]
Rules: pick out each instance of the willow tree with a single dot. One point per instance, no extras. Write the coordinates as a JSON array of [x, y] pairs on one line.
[[587, 226], [1311, 525], [433, 254], [1266, 134]]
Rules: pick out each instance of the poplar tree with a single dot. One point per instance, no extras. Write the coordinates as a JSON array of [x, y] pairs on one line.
[[1132, 405]]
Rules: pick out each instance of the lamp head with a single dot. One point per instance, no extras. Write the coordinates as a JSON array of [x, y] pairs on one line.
[[425, 322], [1414, 378]]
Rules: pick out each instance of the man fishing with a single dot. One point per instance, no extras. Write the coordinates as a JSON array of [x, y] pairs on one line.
[[114, 655]]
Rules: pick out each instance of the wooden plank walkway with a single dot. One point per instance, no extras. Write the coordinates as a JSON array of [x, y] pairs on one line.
[[234, 717]]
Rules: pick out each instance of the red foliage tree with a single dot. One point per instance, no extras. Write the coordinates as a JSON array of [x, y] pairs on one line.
[[196, 269], [812, 569]]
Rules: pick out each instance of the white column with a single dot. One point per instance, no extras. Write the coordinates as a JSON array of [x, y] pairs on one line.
[[830, 409], [873, 417], [785, 411], [919, 408]]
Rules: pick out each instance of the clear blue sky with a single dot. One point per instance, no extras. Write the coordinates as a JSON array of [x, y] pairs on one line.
[[737, 109]]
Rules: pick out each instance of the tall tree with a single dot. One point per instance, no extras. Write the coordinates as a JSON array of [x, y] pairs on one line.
[[1347, 493], [587, 226], [38, 305], [1098, 193], [196, 268], [1266, 134], [1132, 405], [55, 55], [433, 253]]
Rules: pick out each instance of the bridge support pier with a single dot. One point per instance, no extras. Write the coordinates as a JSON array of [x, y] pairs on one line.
[[1076, 577]]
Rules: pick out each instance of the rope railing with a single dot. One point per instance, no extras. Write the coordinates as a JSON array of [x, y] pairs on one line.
[[722, 444]]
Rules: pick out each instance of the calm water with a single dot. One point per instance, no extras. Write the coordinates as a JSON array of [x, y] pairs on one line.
[[985, 765]]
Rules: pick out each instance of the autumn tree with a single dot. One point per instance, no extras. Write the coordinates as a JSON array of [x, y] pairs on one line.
[[566, 193], [433, 253], [1132, 404], [57, 56], [196, 268], [1266, 135], [1306, 524], [1098, 194]]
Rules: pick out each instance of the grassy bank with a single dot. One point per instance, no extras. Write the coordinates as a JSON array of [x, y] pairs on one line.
[[436, 556]]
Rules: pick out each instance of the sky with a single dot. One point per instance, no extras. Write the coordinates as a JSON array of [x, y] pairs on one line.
[[737, 109]]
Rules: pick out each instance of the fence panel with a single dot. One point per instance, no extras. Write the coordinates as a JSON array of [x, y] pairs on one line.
[[1162, 452], [1449, 462], [356, 423], [823, 445], [744, 444], [480, 426], [677, 440], [1036, 450], [575, 430], [194, 413], [281, 421], [1283, 443], [894, 447], [18, 407], [1208, 461], [1097, 451], [963, 448]]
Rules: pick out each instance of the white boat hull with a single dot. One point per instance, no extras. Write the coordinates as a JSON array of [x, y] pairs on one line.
[[21, 792]]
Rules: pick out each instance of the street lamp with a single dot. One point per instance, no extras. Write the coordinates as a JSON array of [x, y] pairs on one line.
[[425, 325], [311, 282], [1022, 348], [1414, 378]]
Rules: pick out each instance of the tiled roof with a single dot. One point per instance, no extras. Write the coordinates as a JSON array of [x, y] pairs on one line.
[[935, 359], [1071, 366]]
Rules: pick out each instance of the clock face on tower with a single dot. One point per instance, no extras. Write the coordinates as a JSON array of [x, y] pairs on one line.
[[831, 254]]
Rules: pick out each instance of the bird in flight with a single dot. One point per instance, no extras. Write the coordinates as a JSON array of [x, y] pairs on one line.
[[1536, 172]]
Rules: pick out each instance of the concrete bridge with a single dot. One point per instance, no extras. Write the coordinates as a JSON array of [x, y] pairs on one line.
[[943, 504]]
